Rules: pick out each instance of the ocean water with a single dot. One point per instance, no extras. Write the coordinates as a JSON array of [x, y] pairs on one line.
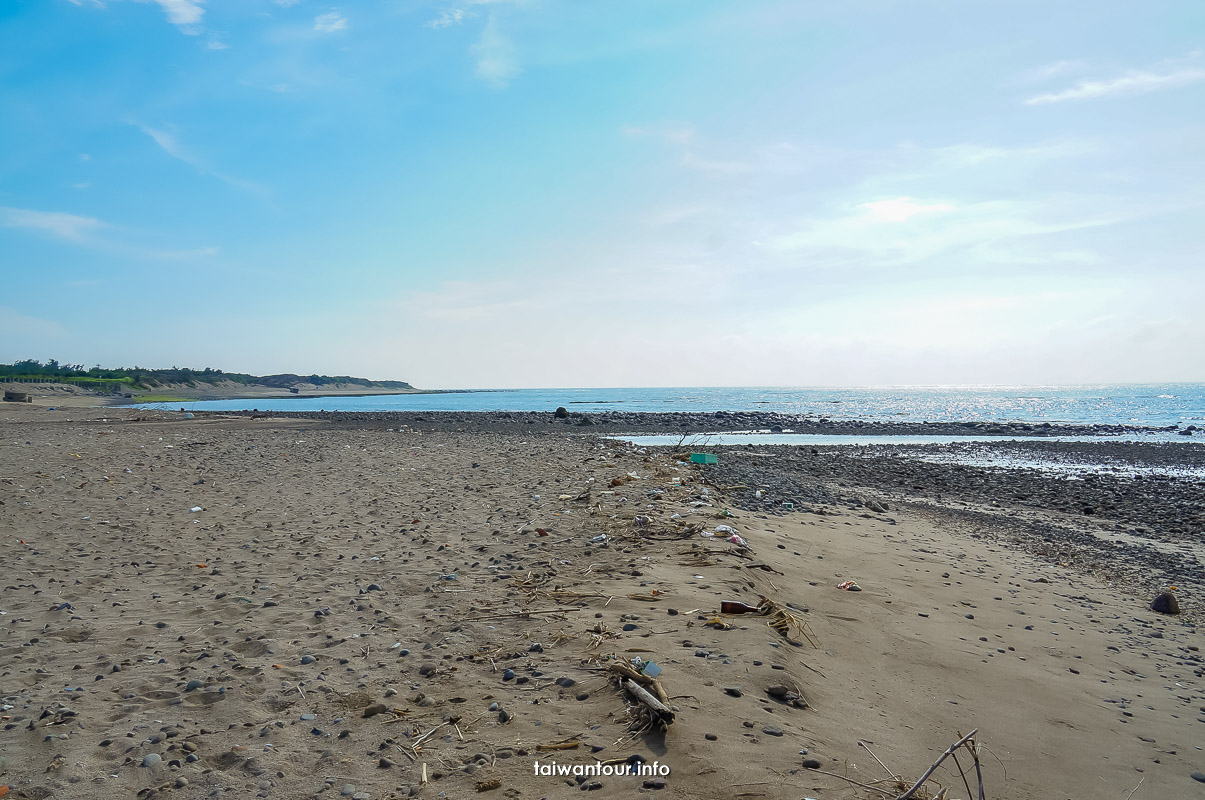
[[1125, 404]]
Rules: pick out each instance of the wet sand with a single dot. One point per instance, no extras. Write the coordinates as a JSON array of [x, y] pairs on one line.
[[344, 607]]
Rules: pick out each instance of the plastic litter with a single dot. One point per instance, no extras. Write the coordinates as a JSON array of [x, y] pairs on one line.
[[725, 529], [736, 539], [788, 505], [195, 509], [602, 537], [849, 586], [704, 458]]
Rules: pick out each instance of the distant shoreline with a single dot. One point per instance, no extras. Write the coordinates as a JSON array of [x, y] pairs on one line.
[[69, 395]]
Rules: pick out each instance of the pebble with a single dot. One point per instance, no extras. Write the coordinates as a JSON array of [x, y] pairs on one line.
[[347, 790], [426, 670], [508, 674], [711, 737], [1199, 776], [772, 730], [308, 659], [151, 759], [193, 685], [734, 691], [811, 763]]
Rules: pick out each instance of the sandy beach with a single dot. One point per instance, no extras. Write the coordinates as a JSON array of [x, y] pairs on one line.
[[228, 606]]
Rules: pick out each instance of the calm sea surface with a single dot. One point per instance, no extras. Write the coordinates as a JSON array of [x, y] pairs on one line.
[[1133, 404]]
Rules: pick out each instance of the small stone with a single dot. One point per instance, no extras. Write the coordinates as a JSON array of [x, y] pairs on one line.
[[385, 763], [811, 763], [654, 783], [504, 716], [772, 730], [565, 683], [151, 759], [372, 711], [1199, 776], [711, 737], [1165, 603], [508, 675], [181, 782], [426, 670], [193, 685], [308, 659], [734, 691], [630, 626], [778, 691], [347, 790], [583, 695]]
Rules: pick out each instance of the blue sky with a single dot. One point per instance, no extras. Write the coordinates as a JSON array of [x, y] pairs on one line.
[[534, 193]]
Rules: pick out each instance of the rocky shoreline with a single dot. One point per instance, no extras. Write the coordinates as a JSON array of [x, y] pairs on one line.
[[1149, 526], [625, 422]]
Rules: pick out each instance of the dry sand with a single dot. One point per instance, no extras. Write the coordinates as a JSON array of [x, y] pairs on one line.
[[242, 643]]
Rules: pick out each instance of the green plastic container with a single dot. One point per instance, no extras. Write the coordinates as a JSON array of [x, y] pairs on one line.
[[704, 458]]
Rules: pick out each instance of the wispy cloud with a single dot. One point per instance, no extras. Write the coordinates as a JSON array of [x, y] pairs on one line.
[[902, 209], [495, 54], [1132, 82], [64, 226], [286, 3], [448, 18], [184, 14], [330, 22], [171, 145], [216, 45]]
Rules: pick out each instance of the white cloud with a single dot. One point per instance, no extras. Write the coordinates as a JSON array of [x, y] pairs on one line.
[[84, 185], [1133, 82], [85, 157], [56, 223], [495, 54], [330, 22], [448, 18], [216, 45], [902, 209], [184, 14], [287, 3], [170, 145]]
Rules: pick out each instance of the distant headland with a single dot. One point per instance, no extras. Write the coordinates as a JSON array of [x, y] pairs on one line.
[[140, 384]]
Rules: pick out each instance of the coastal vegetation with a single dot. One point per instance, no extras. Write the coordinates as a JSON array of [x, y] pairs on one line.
[[144, 378]]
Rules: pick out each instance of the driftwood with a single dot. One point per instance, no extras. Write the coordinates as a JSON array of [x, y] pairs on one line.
[[659, 712], [937, 764], [624, 670]]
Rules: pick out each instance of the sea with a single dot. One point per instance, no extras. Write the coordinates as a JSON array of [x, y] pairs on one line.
[[1147, 405]]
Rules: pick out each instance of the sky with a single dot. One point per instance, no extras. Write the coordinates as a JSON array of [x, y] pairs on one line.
[[535, 193]]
